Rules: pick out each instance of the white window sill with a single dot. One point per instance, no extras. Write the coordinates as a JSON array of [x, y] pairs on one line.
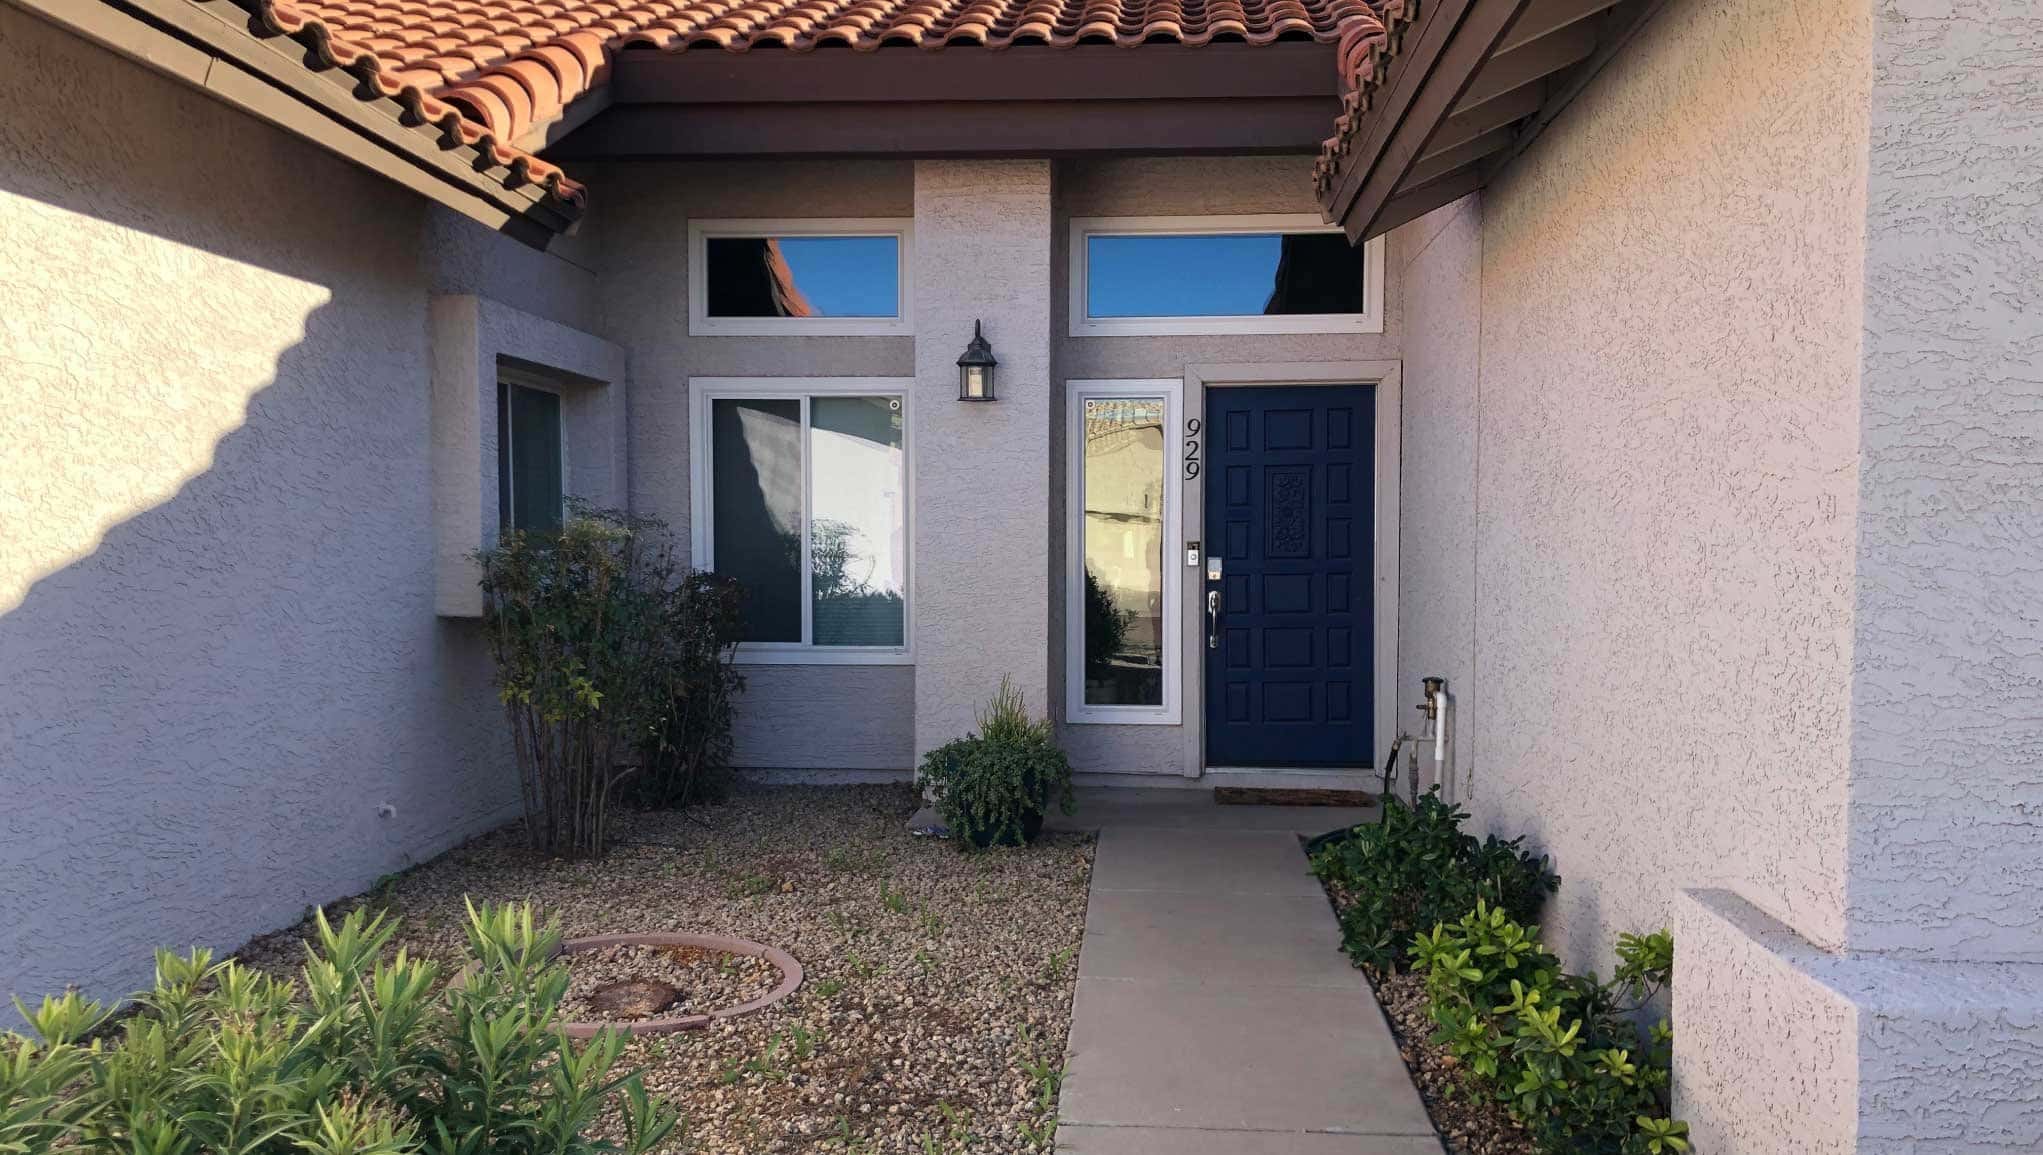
[[1127, 716], [1331, 323], [821, 656]]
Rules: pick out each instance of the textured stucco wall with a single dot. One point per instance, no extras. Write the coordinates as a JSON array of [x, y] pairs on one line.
[[1752, 444], [982, 472], [1947, 695], [1439, 280], [471, 338], [790, 717], [1171, 186], [1785, 1047], [216, 538], [1665, 489]]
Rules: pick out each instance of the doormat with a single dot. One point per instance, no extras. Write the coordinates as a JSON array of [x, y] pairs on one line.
[[1258, 796]]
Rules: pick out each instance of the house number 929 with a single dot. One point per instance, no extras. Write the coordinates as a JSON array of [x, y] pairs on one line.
[[1192, 428]]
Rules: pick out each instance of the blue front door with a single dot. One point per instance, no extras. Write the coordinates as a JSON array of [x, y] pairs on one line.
[[1289, 512]]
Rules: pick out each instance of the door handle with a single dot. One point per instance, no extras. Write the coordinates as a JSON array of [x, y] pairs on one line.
[[1212, 619]]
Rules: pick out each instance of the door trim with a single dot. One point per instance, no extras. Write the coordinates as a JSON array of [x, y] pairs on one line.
[[1384, 378]]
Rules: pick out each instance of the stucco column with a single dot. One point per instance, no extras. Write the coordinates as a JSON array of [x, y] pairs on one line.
[[982, 471]]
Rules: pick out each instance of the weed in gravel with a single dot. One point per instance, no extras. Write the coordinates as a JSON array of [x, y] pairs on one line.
[[803, 1042], [932, 924], [828, 988], [766, 1065], [1038, 1135], [862, 968], [846, 925], [1058, 962], [1046, 1079], [893, 900], [753, 885]]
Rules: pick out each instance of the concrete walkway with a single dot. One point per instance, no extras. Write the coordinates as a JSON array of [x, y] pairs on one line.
[[1215, 1012]]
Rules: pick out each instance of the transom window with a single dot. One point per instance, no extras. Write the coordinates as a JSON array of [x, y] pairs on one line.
[[801, 494], [840, 277], [1122, 634], [529, 457], [1275, 273]]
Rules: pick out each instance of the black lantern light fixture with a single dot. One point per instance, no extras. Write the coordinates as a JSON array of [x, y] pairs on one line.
[[975, 369]]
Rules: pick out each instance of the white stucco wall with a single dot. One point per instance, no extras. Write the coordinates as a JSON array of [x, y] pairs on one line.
[[1728, 537], [1657, 457], [1439, 277], [1947, 693], [982, 474], [216, 545], [802, 718]]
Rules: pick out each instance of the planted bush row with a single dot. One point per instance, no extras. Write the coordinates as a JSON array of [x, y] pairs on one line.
[[1564, 1053], [362, 1056]]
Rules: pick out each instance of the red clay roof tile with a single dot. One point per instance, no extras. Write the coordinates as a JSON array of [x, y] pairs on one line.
[[489, 53], [486, 71]]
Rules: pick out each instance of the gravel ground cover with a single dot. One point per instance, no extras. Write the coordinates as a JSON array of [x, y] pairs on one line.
[[1469, 1124], [938, 992]]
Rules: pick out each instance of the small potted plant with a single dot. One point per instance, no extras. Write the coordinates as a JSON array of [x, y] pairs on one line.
[[994, 787]]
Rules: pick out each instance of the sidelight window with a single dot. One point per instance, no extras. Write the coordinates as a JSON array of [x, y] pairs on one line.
[[1122, 632]]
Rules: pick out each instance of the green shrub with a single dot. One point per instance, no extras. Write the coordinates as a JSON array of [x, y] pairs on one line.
[[365, 1056], [1563, 1052], [685, 748], [993, 787], [1398, 877], [607, 653]]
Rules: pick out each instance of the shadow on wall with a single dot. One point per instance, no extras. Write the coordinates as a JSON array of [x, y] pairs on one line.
[[236, 699]]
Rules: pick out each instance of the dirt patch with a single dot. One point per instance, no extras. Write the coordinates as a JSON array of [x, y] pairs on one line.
[[632, 981]]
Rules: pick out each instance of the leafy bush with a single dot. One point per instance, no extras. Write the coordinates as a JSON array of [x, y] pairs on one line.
[[606, 652], [994, 787], [1416, 868], [685, 751], [1562, 1051], [364, 1057]]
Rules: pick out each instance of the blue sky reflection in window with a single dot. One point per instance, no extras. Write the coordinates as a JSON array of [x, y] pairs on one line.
[[1221, 275], [803, 276]]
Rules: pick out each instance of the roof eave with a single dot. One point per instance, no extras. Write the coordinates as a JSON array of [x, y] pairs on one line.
[[1454, 94], [215, 46]]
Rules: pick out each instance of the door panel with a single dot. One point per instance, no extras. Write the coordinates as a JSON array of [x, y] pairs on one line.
[[1289, 510]]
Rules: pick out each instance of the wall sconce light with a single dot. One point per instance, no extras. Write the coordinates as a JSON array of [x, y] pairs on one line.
[[975, 369]]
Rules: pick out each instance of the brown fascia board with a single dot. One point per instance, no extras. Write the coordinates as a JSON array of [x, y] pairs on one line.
[[178, 39], [1018, 74], [1441, 62], [957, 129]]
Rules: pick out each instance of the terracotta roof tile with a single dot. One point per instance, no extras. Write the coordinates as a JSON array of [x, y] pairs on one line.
[[1363, 57], [485, 72], [507, 65]]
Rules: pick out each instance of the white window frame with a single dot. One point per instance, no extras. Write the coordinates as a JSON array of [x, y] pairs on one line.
[[508, 500], [704, 390], [701, 324], [1083, 324], [1076, 709]]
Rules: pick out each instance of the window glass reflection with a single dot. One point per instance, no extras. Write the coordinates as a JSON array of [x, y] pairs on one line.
[[858, 547], [802, 276], [756, 456], [1123, 485], [1222, 275]]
